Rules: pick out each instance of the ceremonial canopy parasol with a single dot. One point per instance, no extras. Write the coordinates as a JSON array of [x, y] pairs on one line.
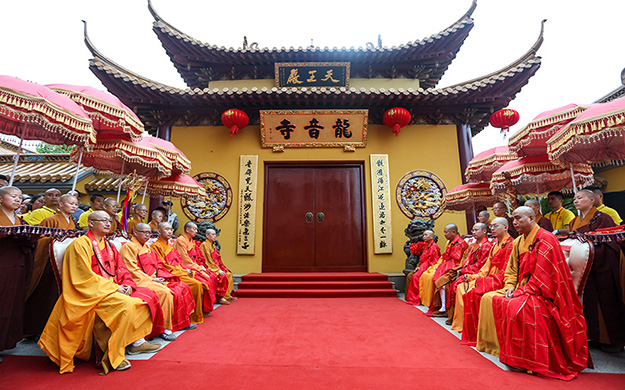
[[180, 163], [596, 136], [178, 186], [111, 118], [125, 157], [482, 166], [34, 112], [531, 140], [120, 157], [469, 196], [537, 175]]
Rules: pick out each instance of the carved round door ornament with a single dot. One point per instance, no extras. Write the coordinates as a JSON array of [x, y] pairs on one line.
[[217, 203], [421, 194]]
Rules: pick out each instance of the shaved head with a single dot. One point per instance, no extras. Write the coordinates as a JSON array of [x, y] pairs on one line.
[[525, 210], [501, 221], [143, 226], [67, 197], [532, 202], [452, 227]]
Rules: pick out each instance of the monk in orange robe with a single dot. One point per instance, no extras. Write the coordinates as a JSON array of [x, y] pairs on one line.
[[139, 216], [173, 263], [474, 258], [429, 257], [451, 257], [111, 206], [604, 309], [538, 316], [157, 217], [192, 257], [43, 290], [174, 296], [489, 278], [212, 257], [15, 269], [102, 304]]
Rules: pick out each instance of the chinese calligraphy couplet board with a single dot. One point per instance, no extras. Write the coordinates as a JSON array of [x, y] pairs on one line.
[[313, 128], [248, 173], [312, 74], [381, 201]]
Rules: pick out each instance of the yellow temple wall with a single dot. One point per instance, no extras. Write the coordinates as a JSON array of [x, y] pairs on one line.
[[615, 178], [419, 147]]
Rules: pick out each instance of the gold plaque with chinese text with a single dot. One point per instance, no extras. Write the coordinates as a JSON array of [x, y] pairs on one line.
[[312, 74], [314, 128]]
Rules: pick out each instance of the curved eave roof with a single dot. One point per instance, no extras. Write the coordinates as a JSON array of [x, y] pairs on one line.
[[469, 102], [425, 59]]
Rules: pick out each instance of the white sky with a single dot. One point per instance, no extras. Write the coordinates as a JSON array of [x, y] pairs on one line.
[[42, 40]]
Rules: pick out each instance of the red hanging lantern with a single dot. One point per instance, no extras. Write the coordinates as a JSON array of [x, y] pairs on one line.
[[503, 119], [235, 120], [396, 118]]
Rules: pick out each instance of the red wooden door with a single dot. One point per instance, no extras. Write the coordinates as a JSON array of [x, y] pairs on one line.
[[314, 218]]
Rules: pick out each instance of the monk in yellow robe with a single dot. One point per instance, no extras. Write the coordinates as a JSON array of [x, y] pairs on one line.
[[173, 263], [451, 257], [174, 297], [43, 290], [139, 215], [95, 306]]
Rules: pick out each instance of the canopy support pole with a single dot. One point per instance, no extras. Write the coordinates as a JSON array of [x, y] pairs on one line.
[[145, 190], [17, 158], [77, 168], [573, 178], [121, 180]]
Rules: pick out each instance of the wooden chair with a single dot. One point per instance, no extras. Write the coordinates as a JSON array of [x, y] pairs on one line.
[[579, 253]]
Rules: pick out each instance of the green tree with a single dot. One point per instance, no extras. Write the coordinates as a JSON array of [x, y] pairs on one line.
[[45, 147]]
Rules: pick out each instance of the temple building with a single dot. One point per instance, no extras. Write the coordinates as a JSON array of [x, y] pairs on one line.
[[319, 179]]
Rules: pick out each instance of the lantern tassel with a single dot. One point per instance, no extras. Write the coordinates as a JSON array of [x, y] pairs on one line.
[[396, 129], [233, 130]]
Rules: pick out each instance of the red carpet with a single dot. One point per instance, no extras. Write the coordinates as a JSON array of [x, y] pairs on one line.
[[315, 285], [368, 343]]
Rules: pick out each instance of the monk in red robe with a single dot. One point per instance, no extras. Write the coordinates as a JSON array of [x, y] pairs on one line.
[[175, 297], [450, 258], [539, 321], [99, 300], [174, 264], [489, 278], [212, 259], [192, 257], [15, 270], [604, 309], [475, 257], [429, 257], [43, 290]]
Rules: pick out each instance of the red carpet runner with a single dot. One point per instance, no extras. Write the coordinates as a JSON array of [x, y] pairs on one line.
[[315, 285], [366, 343]]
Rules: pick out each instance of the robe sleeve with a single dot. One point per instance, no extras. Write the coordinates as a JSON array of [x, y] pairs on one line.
[[184, 254], [210, 263], [512, 269], [129, 254]]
